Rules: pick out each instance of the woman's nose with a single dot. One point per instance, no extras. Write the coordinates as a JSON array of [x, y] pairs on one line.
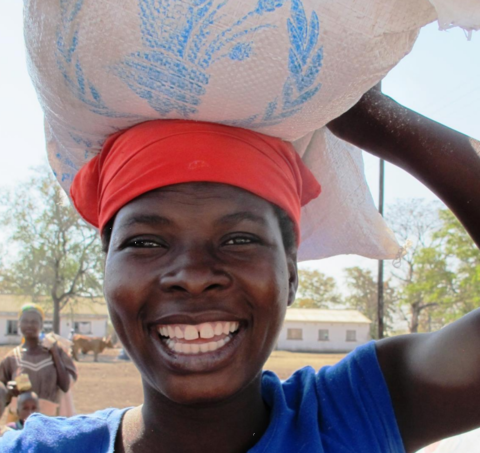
[[194, 272]]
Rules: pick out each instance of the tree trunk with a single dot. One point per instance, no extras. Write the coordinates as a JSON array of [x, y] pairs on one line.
[[56, 316], [415, 309]]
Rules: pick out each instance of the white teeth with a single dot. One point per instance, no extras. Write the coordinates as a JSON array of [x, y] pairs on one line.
[[226, 328], [196, 348], [218, 329], [178, 332], [191, 333], [206, 331]]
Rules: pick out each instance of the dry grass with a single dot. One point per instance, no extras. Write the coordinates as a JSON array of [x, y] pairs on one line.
[[115, 383]]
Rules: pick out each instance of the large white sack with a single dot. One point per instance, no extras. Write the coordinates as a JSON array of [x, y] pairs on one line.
[[281, 67], [461, 13]]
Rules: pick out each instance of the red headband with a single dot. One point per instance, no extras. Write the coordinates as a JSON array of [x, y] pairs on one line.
[[167, 152]]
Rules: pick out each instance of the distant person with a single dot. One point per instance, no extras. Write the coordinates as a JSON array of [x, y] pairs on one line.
[[27, 404], [45, 367]]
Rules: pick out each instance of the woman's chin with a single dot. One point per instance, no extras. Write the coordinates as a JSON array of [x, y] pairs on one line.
[[198, 390]]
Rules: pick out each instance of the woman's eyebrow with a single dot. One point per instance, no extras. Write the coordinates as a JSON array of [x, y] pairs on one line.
[[238, 217], [145, 219]]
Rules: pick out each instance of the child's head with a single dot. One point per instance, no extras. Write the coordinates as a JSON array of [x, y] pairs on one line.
[[27, 404]]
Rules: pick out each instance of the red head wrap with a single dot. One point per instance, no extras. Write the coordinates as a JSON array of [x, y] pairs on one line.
[[166, 152]]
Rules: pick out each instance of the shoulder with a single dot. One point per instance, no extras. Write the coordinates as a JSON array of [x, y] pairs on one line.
[[95, 433], [15, 352], [345, 407], [358, 366], [10, 358]]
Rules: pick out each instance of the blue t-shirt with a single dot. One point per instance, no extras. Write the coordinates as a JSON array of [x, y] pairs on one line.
[[345, 408]]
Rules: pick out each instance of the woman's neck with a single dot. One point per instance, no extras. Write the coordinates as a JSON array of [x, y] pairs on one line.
[[31, 344], [160, 425]]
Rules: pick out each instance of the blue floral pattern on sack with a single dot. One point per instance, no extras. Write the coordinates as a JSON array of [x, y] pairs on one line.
[[171, 74], [70, 66], [304, 64], [181, 42]]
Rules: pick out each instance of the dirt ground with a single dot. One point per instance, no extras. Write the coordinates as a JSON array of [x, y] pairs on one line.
[[116, 383]]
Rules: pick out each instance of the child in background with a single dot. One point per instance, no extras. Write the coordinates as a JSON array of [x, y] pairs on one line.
[[27, 404]]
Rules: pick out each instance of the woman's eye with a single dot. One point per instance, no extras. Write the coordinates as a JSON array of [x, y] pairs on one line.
[[143, 243], [240, 241]]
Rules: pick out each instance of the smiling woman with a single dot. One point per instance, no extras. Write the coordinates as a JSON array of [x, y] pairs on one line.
[[218, 265], [200, 224]]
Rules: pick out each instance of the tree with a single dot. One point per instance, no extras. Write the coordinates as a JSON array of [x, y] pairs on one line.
[[53, 254], [428, 290], [463, 258], [423, 268], [362, 296], [316, 290], [439, 278]]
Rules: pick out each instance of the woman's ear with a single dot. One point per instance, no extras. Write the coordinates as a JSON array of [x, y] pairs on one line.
[[292, 279]]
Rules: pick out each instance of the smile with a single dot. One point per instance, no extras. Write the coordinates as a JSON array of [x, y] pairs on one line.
[[197, 339]]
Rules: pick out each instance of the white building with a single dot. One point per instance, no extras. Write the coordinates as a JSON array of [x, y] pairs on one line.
[[314, 330], [84, 316]]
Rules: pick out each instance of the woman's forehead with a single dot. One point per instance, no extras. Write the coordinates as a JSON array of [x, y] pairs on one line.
[[31, 314], [205, 199]]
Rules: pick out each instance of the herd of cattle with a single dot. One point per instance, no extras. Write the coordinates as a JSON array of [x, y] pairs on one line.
[[84, 344]]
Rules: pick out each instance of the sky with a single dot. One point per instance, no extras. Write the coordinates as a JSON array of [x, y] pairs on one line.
[[440, 79]]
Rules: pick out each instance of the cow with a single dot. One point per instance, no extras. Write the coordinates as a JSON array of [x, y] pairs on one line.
[[87, 344]]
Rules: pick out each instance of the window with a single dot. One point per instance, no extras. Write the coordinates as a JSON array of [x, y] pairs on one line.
[[48, 326], [84, 327], [323, 335], [294, 334], [351, 335], [12, 327]]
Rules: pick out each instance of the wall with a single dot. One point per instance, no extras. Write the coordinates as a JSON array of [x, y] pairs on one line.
[[337, 337], [98, 327]]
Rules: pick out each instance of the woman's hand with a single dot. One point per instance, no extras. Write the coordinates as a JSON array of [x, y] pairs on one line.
[[63, 378], [12, 388]]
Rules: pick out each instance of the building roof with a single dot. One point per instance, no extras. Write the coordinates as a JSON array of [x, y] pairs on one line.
[[333, 316], [10, 305]]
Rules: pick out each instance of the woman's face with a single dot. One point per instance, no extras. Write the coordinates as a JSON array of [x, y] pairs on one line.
[[197, 282], [31, 324]]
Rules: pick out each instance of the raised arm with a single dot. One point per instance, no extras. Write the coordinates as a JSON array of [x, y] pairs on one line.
[[446, 161], [434, 379]]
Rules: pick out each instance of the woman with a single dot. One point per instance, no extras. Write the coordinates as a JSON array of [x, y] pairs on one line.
[[49, 370], [200, 226]]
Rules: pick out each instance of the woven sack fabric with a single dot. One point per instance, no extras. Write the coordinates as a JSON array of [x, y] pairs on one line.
[[280, 67]]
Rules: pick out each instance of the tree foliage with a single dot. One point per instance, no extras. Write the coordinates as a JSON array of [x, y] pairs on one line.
[[316, 290], [363, 296], [439, 278], [52, 253], [463, 259]]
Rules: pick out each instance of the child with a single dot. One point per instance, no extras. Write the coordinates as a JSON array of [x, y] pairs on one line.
[[27, 404]]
